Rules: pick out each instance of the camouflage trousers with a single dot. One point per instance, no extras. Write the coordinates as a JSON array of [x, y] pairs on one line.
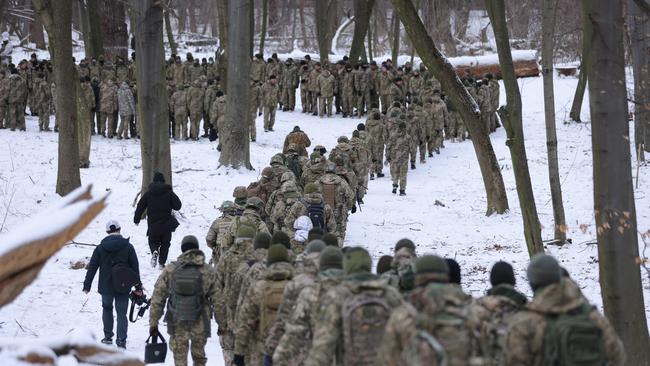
[[377, 155], [4, 122], [83, 131], [180, 126], [325, 104], [305, 101], [227, 342], [398, 172], [422, 145], [106, 123], [313, 95], [187, 339], [362, 180], [43, 117], [348, 102], [16, 116], [435, 141], [269, 117], [195, 123], [385, 102], [413, 152], [363, 100], [123, 130], [289, 98]]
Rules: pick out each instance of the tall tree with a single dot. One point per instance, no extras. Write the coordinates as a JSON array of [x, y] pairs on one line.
[[362, 12], [325, 13], [265, 15], [512, 122], [585, 63], [549, 13], [56, 16], [444, 72], [396, 31], [96, 42], [153, 115], [235, 144], [614, 207], [114, 30], [640, 39], [168, 29]]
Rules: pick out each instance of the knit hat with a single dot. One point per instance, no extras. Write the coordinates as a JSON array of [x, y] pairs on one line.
[[432, 264], [315, 246], [454, 271], [262, 241], [311, 188], [189, 242], [357, 260], [384, 264], [277, 253], [502, 273], [315, 233], [158, 177], [330, 257], [245, 232], [281, 238], [543, 270], [331, 240], [405, 243]]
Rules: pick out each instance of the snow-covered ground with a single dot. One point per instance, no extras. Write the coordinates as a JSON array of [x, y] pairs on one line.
[[55, 305]]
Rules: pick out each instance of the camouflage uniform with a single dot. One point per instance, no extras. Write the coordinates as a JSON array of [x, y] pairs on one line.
[[41, 102], [126, 106], [218, 232], [525, 340], [397, 93], [108, 106], [293, 347], [182, 333], [312, 86], [85, 105], [249, 217], [178, 104], [299, 138], [313, 170], [256, 108], [328, 333], [218, 113], [305, 100], [208, 99], [300, 209], [361, 89], [420, 130], [338, 194], [270, 95], [347, 89], [494, 103], [16, 102], [196, 71], [438, 110], [397, 154], [4, 96], [258, 71], [384, 81], [416, 85], [289, 85], [252, 329], [326, 86], [484, 101], [282, 202], [195, 96], [376, 129], [122, 72], [361, 161]]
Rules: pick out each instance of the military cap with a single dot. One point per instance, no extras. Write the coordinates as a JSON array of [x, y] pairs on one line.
[[262, 241], [277, 253], [254, 202], [330, 257], [312, 188], [357, 260]]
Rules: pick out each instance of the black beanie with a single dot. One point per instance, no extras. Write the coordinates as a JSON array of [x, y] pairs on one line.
[[502, 273], [404, 243], [281, 238], [189, 242], [158, 177], [384, 264], [454, 271], [330, 240], [262, 241], [315, 233]]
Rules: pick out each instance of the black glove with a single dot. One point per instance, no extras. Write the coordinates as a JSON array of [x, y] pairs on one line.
[[153, 331], [268, 360], [354, 209], [238, 360]]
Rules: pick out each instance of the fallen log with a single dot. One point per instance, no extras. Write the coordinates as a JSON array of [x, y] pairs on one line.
[[525, 62]]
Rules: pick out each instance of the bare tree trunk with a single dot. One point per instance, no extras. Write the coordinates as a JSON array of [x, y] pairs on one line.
[[191, 12], [235, 145], [548, 32], [362, 11], [462, 18], [512, 121], [614, 207], [153, 115], [640, 38], [168, 29], [265, 14], [96, 37], [251, 25], [303, 27], [56, 16], [324, 10], [444, 72], [114, 30], [36, 33], [396, 30], [181, 13], [370, 45], [294, 22], [585, 64], [222, 13], [442, 15]]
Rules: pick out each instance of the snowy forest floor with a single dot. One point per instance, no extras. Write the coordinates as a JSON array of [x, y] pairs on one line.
[[55, 305]]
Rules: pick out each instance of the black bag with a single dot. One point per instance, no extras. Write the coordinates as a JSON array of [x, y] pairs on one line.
[[155, 352], [316, 213], [123, 277], [173, 223]]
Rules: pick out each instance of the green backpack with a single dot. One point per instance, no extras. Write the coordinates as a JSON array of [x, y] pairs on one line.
[[573, 339], [186, 297]]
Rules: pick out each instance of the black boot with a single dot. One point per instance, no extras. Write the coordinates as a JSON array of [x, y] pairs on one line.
[[372, 176], [412, 166], [380, 175], [430, 155], [394, 189], [402, 192]]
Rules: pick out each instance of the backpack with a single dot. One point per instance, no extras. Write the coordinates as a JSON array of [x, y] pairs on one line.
[[293, 163], [186, 297], [573, 339], [273, 295], [423, 349], [364, 318], [316, 213], [496, 329], [329, 194], [123, 277]]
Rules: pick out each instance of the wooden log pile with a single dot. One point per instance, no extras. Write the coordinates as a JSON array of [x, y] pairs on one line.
[[525, 63]]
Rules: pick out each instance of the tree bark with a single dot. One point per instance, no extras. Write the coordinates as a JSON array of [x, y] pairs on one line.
[[113, 28], [512, 122], [444, 72], [639, 36], [303, 26], [222, 14], [370, 45], [168, 29], [585, 63], [396, 30], [96, 43], [548, 34], [362, 11], [265, 14], [614, 206], [36, 33], [235, 144], [57, 19], [324, 11], [153, 115]]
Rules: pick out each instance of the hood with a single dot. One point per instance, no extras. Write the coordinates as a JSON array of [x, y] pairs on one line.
[[508, 291], [114, 243], [314, 198], [303, 223], [440, 294], [331, 274], [558, 298], [193, 257], [358, 282], [158, 189], [402, 258], [278, 271]]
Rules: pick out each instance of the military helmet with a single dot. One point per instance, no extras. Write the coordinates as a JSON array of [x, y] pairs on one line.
[[287, 176], [239, 192], [254, 203], [267, 172], [343, 139], [227, 206], [277, 159], [289, 186]]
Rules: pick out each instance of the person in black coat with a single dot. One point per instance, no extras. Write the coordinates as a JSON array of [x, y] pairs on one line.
[[159, 201], [113, 249]]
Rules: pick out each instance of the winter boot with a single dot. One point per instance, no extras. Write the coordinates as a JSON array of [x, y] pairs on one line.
[[107, 340], [121, 343], [402, 192], [394, 189], [412, 166], [154, 259], [380, 175], [372, 176], [430, 155]]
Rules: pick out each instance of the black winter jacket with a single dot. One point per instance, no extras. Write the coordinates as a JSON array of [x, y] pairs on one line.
[[159, 201], [113, 248]]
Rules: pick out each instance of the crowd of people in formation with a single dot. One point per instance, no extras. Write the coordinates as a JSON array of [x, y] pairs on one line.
[[284, 290]]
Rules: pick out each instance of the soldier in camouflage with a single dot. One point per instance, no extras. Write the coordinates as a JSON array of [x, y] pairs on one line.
[[270, 97], [326, 87], [85, 105], [126, 108], [313, 88], [303, 74], [347, 90], [289, 85], [397, 155], [195, 95], [108, 107], [42, 100], [400, 272], [376, 129], [217, 233], [361, 161], [178, 104], [313, 169], [438, 110], [338, 194], [312, 196]]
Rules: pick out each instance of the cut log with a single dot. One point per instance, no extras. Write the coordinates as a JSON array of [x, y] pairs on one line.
[[525, 62]]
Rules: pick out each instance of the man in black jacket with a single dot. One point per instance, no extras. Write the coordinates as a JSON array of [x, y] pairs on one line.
[[112, 250], [159, 201]]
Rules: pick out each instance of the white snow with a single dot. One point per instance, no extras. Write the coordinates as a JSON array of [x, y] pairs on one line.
[[54, 304]]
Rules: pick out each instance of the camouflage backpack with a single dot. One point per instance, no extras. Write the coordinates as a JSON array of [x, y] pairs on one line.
[[293, 163], [364, 315], [573, 339], [273, 295], [423, 349], [496, 329], [329, 194], [186, 297]]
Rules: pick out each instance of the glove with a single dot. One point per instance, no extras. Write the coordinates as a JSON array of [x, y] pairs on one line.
[[268, 360], [238, 360], [354, 209], [153, 331]]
